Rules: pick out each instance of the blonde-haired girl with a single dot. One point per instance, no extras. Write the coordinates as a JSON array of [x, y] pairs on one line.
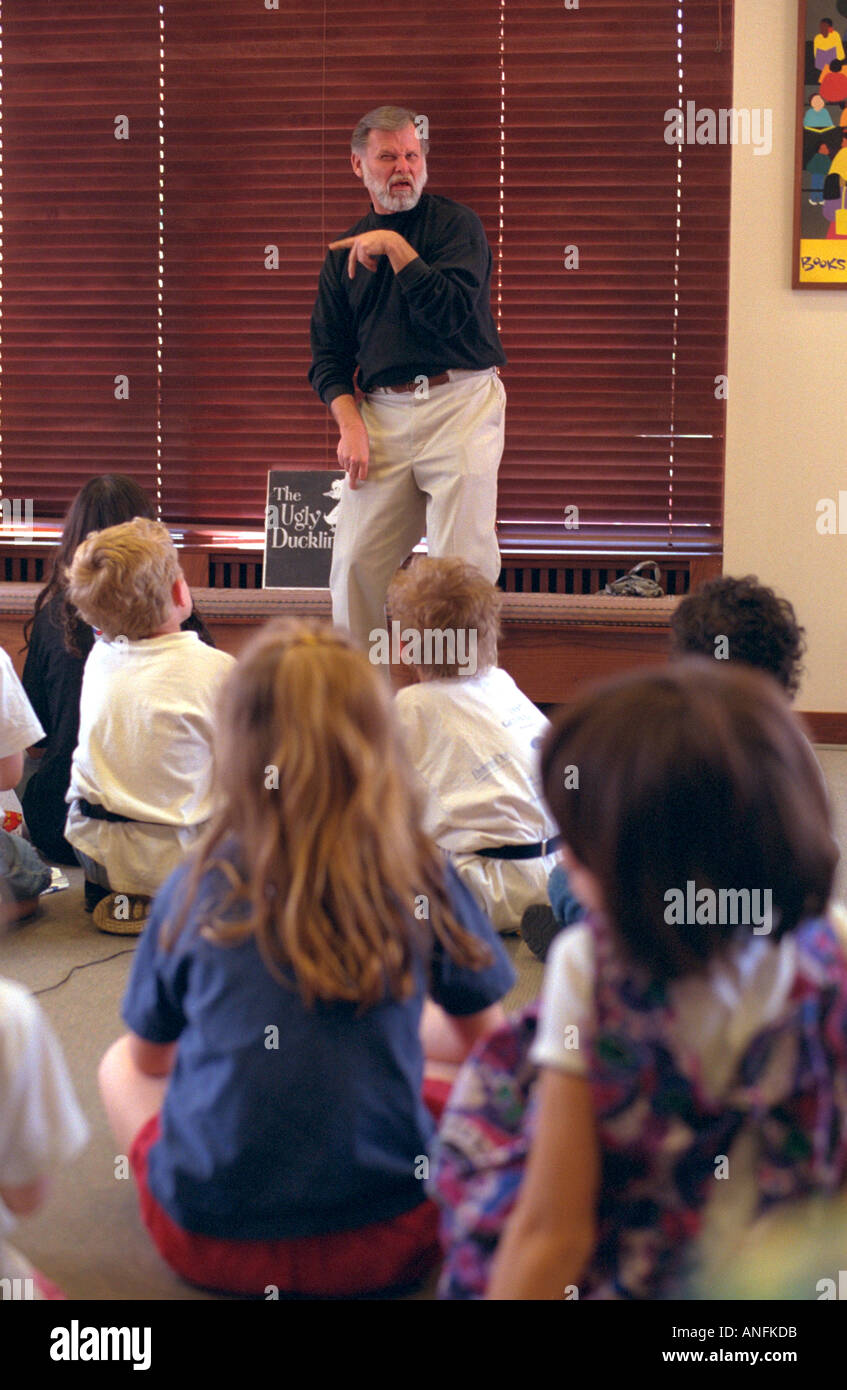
[[271, 1089]]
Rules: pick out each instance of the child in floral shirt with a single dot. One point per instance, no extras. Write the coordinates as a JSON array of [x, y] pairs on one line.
[[689, 1068]]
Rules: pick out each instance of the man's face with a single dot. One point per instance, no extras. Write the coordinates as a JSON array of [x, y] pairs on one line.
[[392, 168], [826, 27]]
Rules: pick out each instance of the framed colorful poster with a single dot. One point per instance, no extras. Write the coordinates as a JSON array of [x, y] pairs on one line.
[[820, 183]]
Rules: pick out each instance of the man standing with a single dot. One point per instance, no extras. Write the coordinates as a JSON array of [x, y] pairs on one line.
[[404, 297]]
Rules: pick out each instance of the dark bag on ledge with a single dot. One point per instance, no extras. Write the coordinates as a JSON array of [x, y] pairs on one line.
[[638, 585]]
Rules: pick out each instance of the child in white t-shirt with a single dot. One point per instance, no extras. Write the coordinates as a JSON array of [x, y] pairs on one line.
[[23, 875], [41, 1128], [473, 737], [141, 777]]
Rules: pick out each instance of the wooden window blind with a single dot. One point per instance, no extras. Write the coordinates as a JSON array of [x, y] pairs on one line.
[[549, 122], [615, 276], [80, 214]]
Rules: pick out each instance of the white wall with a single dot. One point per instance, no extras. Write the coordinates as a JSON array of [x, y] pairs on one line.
[[787, 407]]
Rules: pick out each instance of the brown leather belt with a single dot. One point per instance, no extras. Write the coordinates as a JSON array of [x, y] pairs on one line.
[[413, 385]]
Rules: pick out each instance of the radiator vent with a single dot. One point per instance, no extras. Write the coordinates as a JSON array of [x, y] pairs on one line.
[[234, 572], [578, 578], [24, 569]]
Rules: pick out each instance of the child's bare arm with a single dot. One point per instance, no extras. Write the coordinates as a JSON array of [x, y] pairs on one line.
[[22, 1201], [11, 771], [154, 1059], [551, 1234], [449, 1039]]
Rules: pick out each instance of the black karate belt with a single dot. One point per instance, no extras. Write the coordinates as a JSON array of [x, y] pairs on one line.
[[536, 851], [100, 813]]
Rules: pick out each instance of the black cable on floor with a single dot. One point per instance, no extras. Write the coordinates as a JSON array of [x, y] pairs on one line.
[[127, 951]]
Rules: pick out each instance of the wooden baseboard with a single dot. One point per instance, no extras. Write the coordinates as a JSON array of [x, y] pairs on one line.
[[826, 727]]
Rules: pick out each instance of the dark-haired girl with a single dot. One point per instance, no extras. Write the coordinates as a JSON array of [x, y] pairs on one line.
[[691, 1050], [58, 643]]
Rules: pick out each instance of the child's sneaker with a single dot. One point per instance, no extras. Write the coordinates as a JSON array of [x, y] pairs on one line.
[[539, 927]]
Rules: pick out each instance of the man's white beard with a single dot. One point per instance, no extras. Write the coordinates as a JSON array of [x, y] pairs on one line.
[[403, 201]]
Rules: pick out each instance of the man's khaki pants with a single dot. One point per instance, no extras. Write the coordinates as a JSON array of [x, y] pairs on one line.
[[432, 470]]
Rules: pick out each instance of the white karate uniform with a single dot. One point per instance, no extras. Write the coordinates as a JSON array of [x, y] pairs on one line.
[[475, 744], [145, 751]]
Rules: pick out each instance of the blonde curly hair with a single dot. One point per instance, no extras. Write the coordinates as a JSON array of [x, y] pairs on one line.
[[447, 595], [121, 579]]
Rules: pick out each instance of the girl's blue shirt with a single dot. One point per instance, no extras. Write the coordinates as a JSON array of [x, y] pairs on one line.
[[281, 1121]]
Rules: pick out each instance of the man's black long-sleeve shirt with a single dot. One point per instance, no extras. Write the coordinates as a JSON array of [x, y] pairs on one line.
[[433, 314]]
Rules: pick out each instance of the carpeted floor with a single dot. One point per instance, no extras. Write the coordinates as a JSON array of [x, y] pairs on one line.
[[88, 1237]]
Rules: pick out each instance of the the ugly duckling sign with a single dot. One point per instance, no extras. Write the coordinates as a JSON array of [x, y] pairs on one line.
[[300, 517]]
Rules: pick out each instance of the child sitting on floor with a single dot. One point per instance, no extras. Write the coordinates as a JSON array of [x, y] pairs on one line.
[[730, 620], [23, 875], [741, 620], [473, 737], [58, 643], [285, 1143], [41, 1128], [693, 1029], [141, 776]]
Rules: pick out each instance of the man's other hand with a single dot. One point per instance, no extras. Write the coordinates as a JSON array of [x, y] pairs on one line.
[[353, 451]]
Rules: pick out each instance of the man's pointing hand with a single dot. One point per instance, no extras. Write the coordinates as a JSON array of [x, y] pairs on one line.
[[367, 246]]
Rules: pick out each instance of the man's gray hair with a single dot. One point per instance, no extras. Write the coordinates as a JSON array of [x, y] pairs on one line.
[[386, 118]]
